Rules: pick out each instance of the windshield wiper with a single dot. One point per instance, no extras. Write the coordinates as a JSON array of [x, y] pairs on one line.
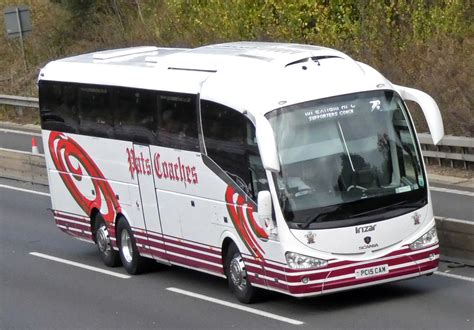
[[337, 209], [390, 207], [326, 210]]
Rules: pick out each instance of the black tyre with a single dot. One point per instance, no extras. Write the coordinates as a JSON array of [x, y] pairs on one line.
[[109, 256], [131, 260], [237, 279]]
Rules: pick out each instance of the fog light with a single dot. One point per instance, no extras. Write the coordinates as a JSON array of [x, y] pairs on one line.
[[305, 280], [432, 256]]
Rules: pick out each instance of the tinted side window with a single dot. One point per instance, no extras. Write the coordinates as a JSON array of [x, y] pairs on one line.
[[135, 115], [230, 141], [177, 121], [95, 111], [58, 106]]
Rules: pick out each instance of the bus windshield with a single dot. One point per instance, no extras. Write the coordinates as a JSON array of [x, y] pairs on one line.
[[347, 160]]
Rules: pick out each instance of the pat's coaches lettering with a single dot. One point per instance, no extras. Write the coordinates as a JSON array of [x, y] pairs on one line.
[[170, 170]]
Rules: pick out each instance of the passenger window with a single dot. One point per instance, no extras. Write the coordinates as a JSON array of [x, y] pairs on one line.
[[135, 115], [58, 106], [177, 121], [230, 141], [95, 113]]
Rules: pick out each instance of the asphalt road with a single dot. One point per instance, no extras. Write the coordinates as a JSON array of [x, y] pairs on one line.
[[451, 205], [21, 140], [41, 293]]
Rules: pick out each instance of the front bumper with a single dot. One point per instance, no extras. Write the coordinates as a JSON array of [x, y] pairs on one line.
[[340, 275]]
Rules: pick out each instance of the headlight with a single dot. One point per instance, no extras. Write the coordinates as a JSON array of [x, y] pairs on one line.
[[429, 238], [299, 261]]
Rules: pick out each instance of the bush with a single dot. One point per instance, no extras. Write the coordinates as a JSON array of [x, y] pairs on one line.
[[424, 44]]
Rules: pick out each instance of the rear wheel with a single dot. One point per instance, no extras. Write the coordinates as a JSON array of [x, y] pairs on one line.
[[237, 279], [109, 256], [132, 261]]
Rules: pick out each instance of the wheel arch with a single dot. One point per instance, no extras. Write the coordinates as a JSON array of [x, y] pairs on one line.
[[92, 217], [227, 239], [120, 215], [93, 213]]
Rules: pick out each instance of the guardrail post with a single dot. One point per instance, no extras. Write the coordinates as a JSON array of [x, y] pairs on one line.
[[465, 152], [451, 161], [438, 158], [19, 111]]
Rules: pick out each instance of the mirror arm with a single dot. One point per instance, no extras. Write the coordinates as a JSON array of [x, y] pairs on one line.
[[428, 106]]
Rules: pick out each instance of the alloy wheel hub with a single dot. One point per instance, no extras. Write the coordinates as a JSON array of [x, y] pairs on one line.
[[237, 272], [103, 240]]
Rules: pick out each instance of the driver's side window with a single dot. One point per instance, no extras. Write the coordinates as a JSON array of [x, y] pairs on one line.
[[230, 142]]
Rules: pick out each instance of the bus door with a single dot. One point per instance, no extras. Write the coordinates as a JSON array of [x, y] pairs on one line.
[[149, 202]]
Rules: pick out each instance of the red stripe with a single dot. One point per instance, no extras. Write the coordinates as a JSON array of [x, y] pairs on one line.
[[270, 267], [192, 254], [253, 269], [185, 243], [412, 269], [239, 222], [195, 264], [428, 265], [142, 251], [312, 288], [390, 263], [424, 255], [255, 226], [77, 234], [181, 251], [71, 217], [404, 250], [159, 255], [256, 280], [278, 285], [348, 270], [154, 235], [209, 249], [255, 246], [241, 213], [157, 245], [72, 225]]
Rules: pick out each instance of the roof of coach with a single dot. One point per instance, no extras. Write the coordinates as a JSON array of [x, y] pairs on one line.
[[285, 72]]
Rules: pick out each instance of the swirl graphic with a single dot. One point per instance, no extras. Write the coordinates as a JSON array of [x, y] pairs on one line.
[[244, 222], [62, 149]]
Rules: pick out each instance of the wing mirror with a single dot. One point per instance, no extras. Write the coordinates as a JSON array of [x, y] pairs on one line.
[[264, 200], [267, 144], [430, 110]]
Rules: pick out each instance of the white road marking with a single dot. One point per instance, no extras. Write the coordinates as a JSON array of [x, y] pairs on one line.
[[25, 190], [22, 152], [7, 130], [77, 264], [467, 222], [236, 306], [458, 277], [453, 191]]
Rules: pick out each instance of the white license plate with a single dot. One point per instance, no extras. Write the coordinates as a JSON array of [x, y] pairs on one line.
[[371, 271]]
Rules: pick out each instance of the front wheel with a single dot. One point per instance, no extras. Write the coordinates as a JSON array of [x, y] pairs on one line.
[[237, 279], [132, 261], [109, 256]]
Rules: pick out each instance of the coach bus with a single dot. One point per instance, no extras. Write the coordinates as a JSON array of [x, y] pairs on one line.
[[287, 167]]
